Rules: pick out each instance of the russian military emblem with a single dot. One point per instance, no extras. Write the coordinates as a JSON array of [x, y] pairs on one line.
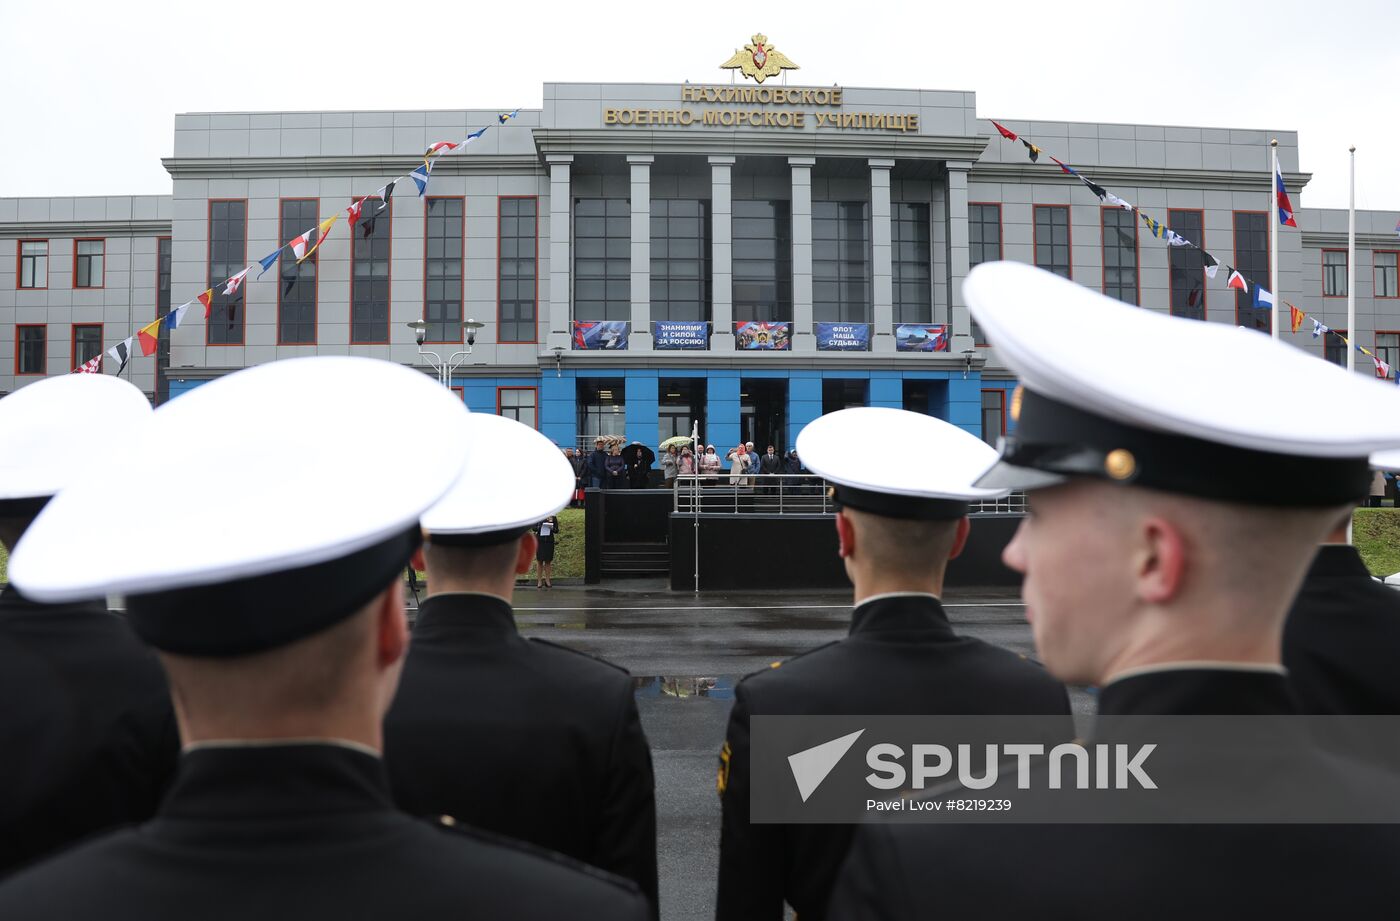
[[759, 60]]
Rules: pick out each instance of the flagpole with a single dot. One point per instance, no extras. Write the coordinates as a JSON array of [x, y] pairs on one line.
[[1351, 264], [1273, 238]]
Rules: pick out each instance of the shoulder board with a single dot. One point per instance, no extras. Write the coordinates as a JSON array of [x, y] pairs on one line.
[[773, 666], [578, 652], [450, 825]]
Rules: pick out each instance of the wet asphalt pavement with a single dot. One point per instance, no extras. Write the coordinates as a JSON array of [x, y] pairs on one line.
[[686, 653]]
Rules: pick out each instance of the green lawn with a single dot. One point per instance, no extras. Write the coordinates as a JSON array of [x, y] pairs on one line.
[[1376, 533]]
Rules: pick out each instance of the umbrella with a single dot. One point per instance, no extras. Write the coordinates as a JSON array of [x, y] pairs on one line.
[[630, 453], [676, 441]]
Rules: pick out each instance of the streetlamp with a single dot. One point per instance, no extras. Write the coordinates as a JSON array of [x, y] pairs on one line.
[[444, 369]]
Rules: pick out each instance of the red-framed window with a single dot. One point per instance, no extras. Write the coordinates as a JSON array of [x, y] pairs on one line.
[[297, 285], [1334, 349], [1186, 265], [519, 403], [984, 238], [517, 268], [1334, 273], [1252, 260], [1120, 254], [228, 255], [89, 254], [31, 265], [371, 256], [1387, 347], [1052, 239], [461, 393], [85, 343], [444, 260], [164, 265], [31, 348], [994, 413], [1385, 264]]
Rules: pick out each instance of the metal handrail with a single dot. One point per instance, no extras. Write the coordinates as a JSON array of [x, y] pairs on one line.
[[786, 494]]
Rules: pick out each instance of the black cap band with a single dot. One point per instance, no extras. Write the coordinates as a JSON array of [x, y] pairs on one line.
[[484, 539], [907, 508], [23, 508], [251, 615], [1057, 438]]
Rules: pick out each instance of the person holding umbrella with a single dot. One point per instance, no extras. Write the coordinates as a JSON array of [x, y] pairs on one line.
[[639, 459]]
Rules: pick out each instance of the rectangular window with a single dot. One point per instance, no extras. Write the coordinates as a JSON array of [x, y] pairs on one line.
[[1385, 264], [912, 263], [369, 278], [33, 264], [1187, 265], [1120, 255], [838, 394], [296, 284], [1252, 260], [681, 405], [984, 245], [762, 235], [444, 251], [841, 261], [228, 254], [518, 269], [1388, 349], [32, 349], [87, 343], [1334, 273], [163, 266], [87, 263], [994, 405], [1334, 349], [1052, 239], [680, 259], [518, 403], [602, 259]]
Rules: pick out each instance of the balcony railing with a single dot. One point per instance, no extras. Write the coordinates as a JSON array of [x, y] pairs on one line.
[[786, 494]]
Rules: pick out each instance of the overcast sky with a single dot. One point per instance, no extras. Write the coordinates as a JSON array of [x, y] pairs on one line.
[[88, 89]]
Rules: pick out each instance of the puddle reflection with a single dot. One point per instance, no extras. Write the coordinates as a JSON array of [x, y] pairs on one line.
[[681, 686]]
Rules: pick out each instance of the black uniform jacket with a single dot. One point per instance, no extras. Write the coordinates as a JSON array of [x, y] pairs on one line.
[[901, 657], [88, 740], [302, 831], [1140, 871], [1341, 643], [523, 738]]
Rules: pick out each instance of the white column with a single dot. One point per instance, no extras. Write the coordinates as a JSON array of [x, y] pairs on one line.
[[803, 338], [959, 320], [881, 255], [721, 254], [641, 253], [560, 252]]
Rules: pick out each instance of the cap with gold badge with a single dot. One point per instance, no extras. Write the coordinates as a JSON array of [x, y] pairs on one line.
[[1133, 396]]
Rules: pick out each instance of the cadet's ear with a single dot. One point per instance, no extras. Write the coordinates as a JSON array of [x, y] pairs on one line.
[[418, 561], [960, 539], [391, 625], [845, 535], [525, 555], [1161, 560]]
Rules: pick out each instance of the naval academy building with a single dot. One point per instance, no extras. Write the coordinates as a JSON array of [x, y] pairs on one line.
[[745, 256]]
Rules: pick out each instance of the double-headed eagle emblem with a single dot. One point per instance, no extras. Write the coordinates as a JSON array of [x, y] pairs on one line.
[[759, 60]]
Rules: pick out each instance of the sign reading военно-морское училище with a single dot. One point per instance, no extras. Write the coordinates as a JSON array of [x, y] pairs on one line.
[[732, 107], [1019, 769]]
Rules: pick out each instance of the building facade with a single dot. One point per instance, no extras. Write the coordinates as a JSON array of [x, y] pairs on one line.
[[831, 216]]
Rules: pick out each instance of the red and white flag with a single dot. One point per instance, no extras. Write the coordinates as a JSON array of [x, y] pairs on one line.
[[300, 245], [235, 283], [94, 365], [355, 209], [440, 147], [1237, 281], [1382, 369]]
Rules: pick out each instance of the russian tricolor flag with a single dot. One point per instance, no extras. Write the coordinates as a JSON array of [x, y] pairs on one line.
[[1285, 207]]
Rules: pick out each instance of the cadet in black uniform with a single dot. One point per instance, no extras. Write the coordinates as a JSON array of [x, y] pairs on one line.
[[273, 596], [1342, 635], [87, 737], [515, 735], [1172, 514], [898, 524]]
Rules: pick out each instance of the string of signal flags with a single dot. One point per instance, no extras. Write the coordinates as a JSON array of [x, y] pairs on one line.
[[1234, 278], [302, 246]]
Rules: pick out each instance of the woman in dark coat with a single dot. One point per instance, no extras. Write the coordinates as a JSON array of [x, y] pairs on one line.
[[616, 469], [545, 531]]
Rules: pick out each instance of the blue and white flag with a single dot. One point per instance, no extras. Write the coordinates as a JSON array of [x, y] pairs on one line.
[[420, 177], [269, 261], [1319, 329], [1263, 297]]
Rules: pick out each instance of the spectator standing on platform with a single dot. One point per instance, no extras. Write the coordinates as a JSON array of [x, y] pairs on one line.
[[710, 465], [669, 462], [616, 469], [769, 464], [596, 468], [685, 466], [753, 461], [738, 465], [1377, 489]]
